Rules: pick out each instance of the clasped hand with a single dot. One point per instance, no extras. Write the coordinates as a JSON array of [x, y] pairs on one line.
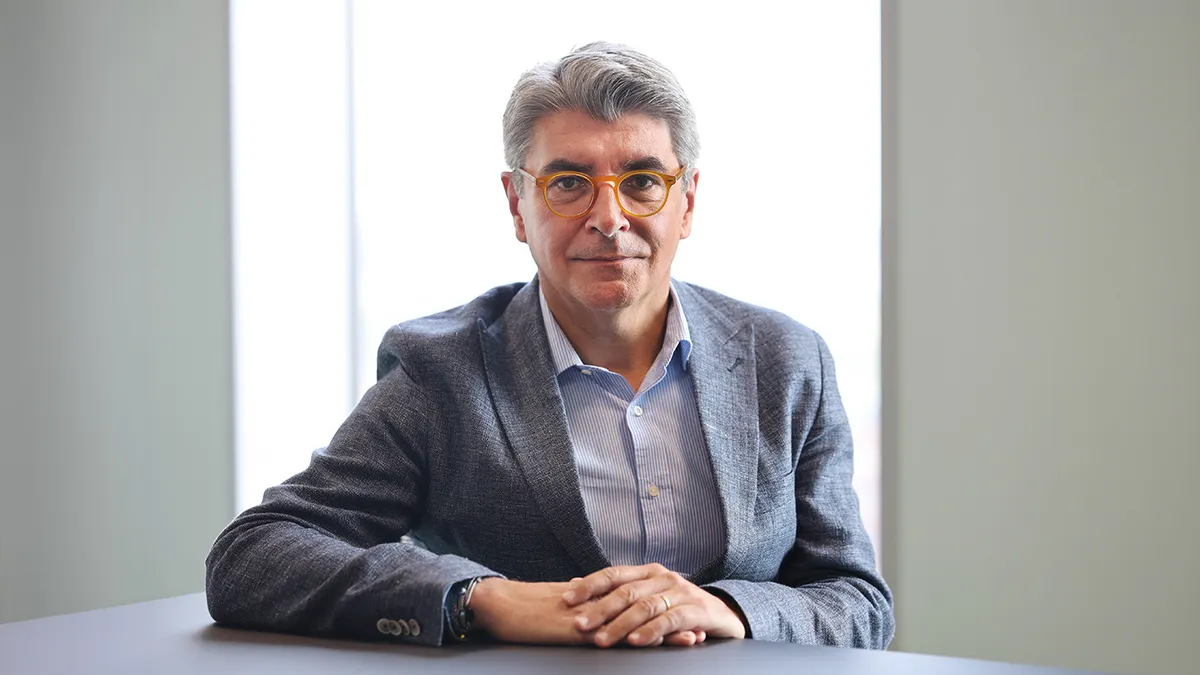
[[643, 606]]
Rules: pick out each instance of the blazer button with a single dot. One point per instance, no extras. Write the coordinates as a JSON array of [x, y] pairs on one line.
[[414, 628], [383, 626]]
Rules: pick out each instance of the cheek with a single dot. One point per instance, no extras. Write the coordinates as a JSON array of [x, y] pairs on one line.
[[546, 239], [664, 236], [665, 250]]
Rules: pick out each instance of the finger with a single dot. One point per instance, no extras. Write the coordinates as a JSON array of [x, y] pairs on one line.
[[606, 608], [684, 638], [701, 636], [600, 583], [677, 620], [639, 616]]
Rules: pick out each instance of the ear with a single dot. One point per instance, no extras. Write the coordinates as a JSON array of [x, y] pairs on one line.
[[690, 196], [514, 200]]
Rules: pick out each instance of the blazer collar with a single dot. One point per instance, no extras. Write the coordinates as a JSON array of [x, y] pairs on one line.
[[521, 380], [724, 377]]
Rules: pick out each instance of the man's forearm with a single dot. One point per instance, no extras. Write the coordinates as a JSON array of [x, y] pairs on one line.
[[284, 576], [843, 612]]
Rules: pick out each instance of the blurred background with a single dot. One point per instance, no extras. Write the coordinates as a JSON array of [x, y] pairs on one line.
[[210, 211]]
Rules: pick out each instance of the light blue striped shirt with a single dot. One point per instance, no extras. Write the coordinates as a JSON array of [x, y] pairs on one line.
[[644, 469]]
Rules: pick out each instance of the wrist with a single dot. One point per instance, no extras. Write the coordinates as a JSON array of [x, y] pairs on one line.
[[739, 625], [460, 620], [743, 625], [484, 600]]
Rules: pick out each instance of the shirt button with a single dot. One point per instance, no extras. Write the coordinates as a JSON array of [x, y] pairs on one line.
[[653, 490], [637, 411]]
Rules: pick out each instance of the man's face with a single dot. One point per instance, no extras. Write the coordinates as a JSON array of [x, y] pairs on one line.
[[605, 260]]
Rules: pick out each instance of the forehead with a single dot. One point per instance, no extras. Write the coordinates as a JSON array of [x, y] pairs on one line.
[[575, 136]]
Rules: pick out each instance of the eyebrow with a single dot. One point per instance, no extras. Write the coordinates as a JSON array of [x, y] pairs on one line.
[[642, 163], [561, 164], [652, 163]]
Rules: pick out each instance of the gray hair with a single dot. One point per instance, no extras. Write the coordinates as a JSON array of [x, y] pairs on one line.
[[606, 81]]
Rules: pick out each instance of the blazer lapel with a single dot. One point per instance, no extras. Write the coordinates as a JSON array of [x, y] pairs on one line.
[[524, 390], [723, 372]]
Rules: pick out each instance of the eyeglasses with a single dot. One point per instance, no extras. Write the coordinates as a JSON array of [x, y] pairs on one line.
[[571, 194]]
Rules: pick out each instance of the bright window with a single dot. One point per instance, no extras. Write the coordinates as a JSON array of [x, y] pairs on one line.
[[787, 98]]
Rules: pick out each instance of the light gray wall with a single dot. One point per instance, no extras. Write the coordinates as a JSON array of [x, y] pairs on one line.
[[116, 403], [1042, 363]]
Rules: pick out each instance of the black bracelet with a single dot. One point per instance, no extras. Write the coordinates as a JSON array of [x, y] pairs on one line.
[[461, 618]]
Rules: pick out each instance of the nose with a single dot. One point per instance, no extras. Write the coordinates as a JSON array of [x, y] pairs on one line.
[[606, 216]]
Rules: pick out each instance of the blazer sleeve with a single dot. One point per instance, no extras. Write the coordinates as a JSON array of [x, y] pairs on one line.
[[827, 591], [323, 553]]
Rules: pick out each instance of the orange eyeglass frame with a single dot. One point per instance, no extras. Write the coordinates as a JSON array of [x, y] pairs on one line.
[[614, 181]]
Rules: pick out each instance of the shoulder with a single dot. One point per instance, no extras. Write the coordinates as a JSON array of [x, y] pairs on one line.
[[777, 336], [445, 337], [794, 371]]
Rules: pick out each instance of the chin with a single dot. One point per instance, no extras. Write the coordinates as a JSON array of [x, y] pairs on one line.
[[607, 296]]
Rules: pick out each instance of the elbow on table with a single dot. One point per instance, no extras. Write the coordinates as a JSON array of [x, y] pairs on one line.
[[228, 601], [882, 625], [878, 627], [864, 620]]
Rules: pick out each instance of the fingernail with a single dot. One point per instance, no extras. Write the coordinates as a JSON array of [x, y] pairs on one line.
[[582, 622], [636, 637], [601, 637], [569, 596]]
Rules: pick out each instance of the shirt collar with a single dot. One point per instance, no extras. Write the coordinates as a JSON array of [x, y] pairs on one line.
[[564, 355]]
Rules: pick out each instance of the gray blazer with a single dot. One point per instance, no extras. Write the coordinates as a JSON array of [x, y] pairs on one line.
[[463, 444]]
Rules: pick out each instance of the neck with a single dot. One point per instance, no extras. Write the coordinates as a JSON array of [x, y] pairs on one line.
[[625, 341]]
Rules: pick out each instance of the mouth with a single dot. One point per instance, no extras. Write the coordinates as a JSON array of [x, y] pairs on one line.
[[607, 258]]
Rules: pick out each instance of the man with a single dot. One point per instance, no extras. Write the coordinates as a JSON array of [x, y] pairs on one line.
[[600, 456]]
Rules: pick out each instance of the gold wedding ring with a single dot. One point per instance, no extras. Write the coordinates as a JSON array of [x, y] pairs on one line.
[[666, 603]]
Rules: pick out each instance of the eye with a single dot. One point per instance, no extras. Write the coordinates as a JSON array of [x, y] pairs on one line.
[[643, 182], [567, 183]]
